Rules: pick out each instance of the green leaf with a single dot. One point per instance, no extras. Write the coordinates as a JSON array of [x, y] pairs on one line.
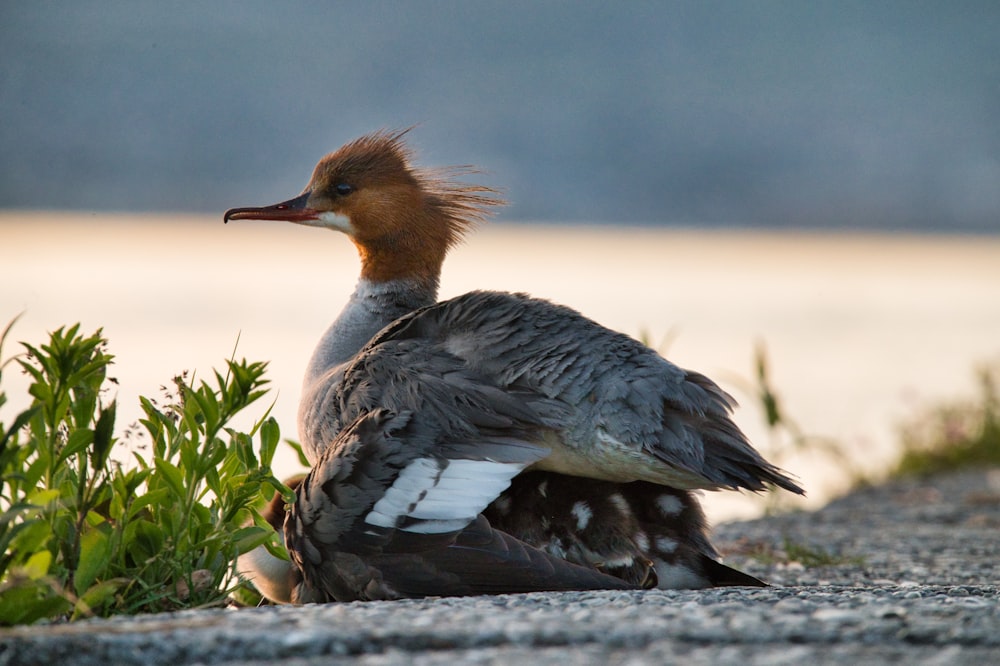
[[244, 450], [30, 368], [103, 438], [43, 496], [201, 516], [172, 476], [247, 538], [41, 392], [78, 440], [213, 481], [30, 538], [154, 498], [37, 565], [20, 421], [6, 332], [29, 602], [95, 552], [8, 533], [143, 540], [277, 549], [96, 597], [299, 452], [34, 472], [143, 465], [208, 407], [270, 435], [95, 518]]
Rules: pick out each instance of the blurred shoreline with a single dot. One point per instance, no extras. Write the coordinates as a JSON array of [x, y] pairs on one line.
[[860, 328]]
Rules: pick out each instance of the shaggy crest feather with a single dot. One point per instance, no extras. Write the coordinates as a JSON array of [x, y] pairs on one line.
[[385, 153]]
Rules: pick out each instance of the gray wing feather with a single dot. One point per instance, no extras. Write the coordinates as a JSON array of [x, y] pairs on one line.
[[512, 354], [606, 381]]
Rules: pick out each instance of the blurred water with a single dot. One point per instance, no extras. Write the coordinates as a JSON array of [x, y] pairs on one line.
[[859, 328]]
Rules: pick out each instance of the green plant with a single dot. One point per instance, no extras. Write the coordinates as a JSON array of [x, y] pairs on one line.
[[807, 555], [786, 437], [817, 556], [86, 534], [956, 434]]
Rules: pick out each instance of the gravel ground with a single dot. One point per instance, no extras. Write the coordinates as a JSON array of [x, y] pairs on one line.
[[901, 573]]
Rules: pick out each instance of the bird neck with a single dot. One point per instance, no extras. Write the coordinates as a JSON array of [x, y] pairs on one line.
[[372, 306]]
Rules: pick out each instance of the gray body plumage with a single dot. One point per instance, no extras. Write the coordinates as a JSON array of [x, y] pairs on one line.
[[610, 407]]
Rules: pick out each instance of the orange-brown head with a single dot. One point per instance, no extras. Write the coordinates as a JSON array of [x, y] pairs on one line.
[[402, 218]]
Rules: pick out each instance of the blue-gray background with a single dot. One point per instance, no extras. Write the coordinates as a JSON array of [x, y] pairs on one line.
[[862, 115]]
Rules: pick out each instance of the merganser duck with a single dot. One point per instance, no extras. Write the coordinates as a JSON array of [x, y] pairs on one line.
[[418, 417]]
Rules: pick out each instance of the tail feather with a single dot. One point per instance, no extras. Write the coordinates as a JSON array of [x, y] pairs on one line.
[[720, 575]]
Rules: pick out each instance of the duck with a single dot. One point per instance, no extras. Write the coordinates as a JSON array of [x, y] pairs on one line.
[[492, 442]]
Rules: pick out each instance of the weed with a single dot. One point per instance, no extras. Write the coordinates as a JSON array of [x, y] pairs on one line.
[[84, 534], [954, 435], [807, 555], [816, 556], [786, 437]]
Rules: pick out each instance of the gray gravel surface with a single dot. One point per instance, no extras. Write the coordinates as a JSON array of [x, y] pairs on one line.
[[902, 573]]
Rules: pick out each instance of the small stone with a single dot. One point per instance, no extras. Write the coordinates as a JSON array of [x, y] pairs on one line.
[[791, 605], [891, 612], [837, 615]]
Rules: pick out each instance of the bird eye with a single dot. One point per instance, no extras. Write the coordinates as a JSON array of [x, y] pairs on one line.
[[343, 189]]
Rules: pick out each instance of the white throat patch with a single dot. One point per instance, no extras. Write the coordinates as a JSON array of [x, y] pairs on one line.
[[336, 221], [330, 220]]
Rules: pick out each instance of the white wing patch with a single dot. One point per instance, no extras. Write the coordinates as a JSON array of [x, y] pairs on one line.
[[441, 495]]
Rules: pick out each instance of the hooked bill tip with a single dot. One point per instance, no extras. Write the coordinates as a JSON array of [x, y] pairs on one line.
[[247, 213], [236, 214]]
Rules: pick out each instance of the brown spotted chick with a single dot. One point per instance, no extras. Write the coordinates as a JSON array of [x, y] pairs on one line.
[[646, 534]]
